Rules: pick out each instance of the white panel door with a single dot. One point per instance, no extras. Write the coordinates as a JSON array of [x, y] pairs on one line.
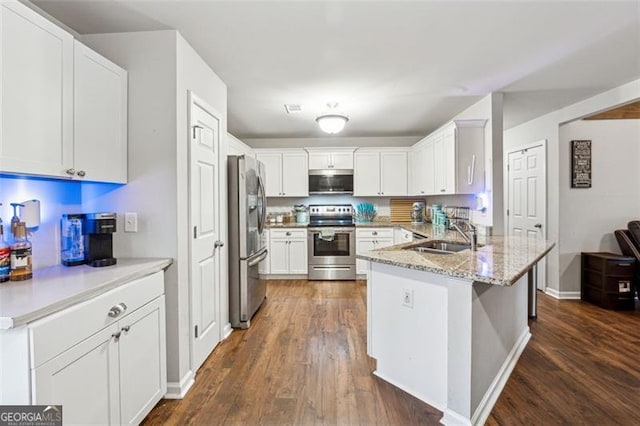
[[36, 96], [273, 170], [298, 263], [84, 379], [100, 118], [366, 179], [393, 173], [526, 214], [295, 174], [143, 364], [204, 212]]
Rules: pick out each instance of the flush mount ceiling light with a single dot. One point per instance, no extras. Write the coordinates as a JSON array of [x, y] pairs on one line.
[[332, 121]]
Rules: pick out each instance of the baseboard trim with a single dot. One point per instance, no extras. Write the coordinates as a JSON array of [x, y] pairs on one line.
[[450, 417], [497, 385], [285, 277], [410, 391], [226, 331], [562, 295], [177, 390]]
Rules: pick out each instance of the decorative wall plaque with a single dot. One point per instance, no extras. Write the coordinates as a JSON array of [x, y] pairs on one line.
[[581, 164]]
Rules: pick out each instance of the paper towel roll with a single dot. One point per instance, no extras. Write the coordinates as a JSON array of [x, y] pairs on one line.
[[30, 213]]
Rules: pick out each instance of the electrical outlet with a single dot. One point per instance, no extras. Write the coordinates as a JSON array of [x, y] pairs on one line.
[[130, 222], [407, 297]]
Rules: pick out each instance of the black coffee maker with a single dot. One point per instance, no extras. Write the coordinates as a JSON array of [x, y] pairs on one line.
[[98, 229]]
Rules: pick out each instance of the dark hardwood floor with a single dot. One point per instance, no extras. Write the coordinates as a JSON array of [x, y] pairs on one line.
[[303, 361]]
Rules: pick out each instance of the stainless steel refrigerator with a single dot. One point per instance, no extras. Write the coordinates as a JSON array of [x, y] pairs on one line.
[[247, 214]]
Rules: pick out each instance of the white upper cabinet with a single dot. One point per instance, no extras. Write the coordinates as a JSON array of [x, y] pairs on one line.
[[287, 172], [421, 164], [330, 158], [100, 118], [459, 158], [380, 173], [449, 161], [64, 107], [36, 93]]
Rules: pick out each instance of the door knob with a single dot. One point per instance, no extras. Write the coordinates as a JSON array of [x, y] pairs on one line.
[[538, 225]]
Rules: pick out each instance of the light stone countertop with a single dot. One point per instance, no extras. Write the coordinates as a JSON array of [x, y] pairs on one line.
[[58, 287], [286, 225], [501, 260]]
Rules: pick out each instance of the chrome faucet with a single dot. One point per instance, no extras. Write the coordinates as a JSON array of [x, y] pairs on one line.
[[472, 238]]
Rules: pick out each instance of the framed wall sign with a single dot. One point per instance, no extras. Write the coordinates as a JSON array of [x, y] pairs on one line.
[[581, 164]]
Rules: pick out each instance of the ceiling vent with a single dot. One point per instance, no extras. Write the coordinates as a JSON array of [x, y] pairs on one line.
[[293, 108]]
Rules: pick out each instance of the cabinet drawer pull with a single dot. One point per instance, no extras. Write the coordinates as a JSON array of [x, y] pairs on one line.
[[288, 234], [624, 264], [374, 233], [70, 172], [117, 310]]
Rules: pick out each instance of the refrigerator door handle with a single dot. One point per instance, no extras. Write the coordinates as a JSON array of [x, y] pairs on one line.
[[258, 259], [262, 216]]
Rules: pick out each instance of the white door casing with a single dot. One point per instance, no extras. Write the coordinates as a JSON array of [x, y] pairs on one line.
[[204, 255], [527, 194]]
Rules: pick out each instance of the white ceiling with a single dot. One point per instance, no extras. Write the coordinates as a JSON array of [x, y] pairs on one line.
[[397, 68]]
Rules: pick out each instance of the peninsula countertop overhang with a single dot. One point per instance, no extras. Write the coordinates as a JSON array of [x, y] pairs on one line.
[[501, 260]]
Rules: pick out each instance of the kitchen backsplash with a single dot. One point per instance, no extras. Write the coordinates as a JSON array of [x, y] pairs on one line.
[[382, 204], [56, 197]]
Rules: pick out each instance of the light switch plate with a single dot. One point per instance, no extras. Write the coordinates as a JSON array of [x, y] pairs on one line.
[[131, 222]]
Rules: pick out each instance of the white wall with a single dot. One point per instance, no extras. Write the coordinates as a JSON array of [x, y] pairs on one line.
[[236, 147], [162, 67], [589, 216], [547, 127]]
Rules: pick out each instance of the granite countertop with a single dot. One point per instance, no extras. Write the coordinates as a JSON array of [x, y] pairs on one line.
[[501, 260], [286, 225], [59, 287]]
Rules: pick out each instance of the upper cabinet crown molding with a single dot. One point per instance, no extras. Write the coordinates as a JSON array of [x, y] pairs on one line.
[[63, 106]]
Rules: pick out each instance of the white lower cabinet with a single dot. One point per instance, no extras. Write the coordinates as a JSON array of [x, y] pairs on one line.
[[371, 239], [104, 360], [288, 251]]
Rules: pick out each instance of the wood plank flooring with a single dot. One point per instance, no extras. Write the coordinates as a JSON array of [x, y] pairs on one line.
[[303, 361]]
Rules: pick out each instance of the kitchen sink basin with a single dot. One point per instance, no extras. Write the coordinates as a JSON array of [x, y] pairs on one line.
[[439, 246]]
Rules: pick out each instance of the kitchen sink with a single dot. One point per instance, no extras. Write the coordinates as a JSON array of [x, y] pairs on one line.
[[439, 246]]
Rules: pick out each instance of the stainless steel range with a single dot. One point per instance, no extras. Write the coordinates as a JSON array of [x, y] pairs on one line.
[[332, 242]]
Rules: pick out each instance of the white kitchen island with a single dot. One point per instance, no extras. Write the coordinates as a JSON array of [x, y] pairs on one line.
[[449, 328]]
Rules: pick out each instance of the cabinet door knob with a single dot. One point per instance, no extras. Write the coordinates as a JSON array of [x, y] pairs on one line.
[[70, 172], [126, 328], [288, 234], [81, 173], [374, 233], [442, 190], [116, 335], [538, 225], [218, 244], [117, 310]]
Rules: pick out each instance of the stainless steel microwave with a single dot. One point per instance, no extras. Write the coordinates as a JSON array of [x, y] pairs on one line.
[[331, 181]]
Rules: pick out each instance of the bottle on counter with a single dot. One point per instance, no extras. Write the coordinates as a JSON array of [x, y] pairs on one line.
[[5, 257], [21, 255]]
